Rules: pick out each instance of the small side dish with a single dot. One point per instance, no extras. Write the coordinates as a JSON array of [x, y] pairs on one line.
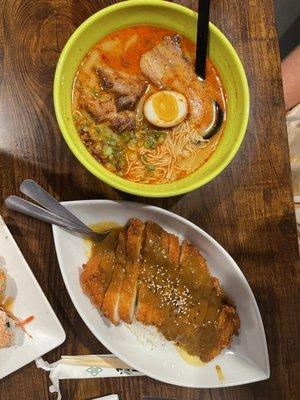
[[143, 273]]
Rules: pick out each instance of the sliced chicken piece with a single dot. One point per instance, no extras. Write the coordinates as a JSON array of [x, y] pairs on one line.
[[180, 313], [153, 255], [97, 273], [193, 268], [213, 321], [227, 325], [166, 290], [128, 293], [171, 283], [196, 287], [110, 305], [174, 249], [167, 67]]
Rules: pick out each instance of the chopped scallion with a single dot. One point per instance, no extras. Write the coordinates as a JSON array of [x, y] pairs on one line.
[[107, 150]]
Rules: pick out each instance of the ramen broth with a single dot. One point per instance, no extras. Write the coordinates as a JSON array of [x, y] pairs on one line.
[[123, 140]]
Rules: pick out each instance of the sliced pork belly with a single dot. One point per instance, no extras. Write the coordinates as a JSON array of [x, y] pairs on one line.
[[167, 67], [100, 109], [128, 293], [104, 108], [127, 88]]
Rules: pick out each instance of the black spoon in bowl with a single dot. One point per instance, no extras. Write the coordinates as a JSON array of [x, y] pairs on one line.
[[200, 64], [202, 38]]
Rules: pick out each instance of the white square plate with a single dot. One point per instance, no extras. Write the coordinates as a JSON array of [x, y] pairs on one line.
[[244, 362], [29, 299]]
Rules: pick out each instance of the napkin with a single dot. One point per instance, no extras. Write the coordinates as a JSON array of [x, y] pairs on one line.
[[58, 370]]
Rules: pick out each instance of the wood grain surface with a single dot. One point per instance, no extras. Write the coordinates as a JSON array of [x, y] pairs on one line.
[[248, 208]]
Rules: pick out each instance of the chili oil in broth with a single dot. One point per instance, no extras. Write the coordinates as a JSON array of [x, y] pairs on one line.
[[127, 154]]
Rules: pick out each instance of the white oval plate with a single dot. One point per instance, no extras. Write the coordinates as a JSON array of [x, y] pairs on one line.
[[244, 362]]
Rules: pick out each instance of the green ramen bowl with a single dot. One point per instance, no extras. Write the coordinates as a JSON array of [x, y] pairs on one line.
[[178, 19]]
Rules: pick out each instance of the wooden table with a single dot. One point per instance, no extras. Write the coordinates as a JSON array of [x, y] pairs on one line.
[[248, 208]]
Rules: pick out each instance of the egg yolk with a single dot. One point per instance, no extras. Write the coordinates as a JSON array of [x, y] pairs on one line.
[[165, 106]]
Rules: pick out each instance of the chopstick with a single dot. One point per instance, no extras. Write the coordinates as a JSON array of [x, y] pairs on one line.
[[96, 361], [202, 37]]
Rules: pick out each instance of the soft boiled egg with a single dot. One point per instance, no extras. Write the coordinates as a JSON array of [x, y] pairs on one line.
[[166, 108]]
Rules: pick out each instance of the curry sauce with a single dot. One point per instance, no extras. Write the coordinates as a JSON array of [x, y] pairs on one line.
[[173, 289]]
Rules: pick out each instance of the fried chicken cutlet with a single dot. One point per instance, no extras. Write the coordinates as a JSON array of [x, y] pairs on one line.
[[143, 272]]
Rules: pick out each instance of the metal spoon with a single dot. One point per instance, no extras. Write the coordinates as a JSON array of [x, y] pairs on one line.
[[25, 207], [33, 190]]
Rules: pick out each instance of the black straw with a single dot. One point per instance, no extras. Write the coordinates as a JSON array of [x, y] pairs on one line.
[[202, 37]]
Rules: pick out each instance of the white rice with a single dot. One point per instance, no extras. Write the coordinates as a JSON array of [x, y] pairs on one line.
[[147, 335]]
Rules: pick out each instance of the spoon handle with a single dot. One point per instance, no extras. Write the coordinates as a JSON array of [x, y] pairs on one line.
[[202, 37], [31, 189], [25, 207]]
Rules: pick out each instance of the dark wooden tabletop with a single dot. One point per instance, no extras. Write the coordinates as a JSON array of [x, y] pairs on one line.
[[248, 208]]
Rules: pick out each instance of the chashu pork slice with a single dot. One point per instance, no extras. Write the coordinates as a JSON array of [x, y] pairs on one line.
[[128, 88], [168, 67], [97, 272], [110, 305], [129, 289]]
